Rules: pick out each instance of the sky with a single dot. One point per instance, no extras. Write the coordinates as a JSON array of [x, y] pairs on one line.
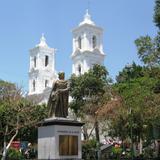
[[22, 23]]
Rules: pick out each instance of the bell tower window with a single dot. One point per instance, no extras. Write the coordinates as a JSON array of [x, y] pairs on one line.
[[34, 86], [94, 41], [35, 62], [46, 83], [79, 42], [79, 69], [46, 60]]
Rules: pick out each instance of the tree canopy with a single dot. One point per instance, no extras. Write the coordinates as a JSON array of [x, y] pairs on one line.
[[157, 13], [149, 49], [139, 88], [88, 88], [16, 113], [89, 93]]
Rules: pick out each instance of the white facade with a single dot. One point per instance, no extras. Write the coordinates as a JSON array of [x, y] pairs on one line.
[[87, 46], [42, 71], [87, 51]]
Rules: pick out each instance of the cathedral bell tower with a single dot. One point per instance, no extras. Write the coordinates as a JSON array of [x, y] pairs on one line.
[[87, 46], [42, 68]]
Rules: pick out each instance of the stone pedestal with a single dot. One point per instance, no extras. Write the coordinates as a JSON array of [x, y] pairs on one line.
[[59, 139]]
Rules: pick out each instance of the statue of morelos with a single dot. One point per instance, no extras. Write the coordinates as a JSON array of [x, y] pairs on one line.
[[58, 99]]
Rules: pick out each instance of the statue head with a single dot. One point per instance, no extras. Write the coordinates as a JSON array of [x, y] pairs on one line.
[[61, 75]]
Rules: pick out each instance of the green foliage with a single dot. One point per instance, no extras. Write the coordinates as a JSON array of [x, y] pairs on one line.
[[149, 49], [116, 150], [90, 144], [18, 116], [116, 123], [14, 154], [7, 90], [89, 149], [29, 132], [88, 88], [157, 87], [157, 13], [90, 83], [130, 72], [139, 88], [89, 93], [140, 104]]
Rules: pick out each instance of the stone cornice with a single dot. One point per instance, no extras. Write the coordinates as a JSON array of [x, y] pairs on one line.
[[85, 52], [60, 121], [89, 26], [41, 49]]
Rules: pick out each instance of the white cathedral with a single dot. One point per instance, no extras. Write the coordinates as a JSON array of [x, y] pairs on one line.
[[87, 51]]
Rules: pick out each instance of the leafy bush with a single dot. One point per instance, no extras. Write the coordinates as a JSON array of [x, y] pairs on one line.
[[14, 154], [116, 152], [89, 149]]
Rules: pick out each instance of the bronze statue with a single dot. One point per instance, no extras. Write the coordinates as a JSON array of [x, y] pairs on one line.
[[58, 100]]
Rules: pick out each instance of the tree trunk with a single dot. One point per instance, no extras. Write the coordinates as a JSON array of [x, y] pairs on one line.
[[6, 147], [97, 131], [85, 134], [140, 146], [158, 148], [98, 139]]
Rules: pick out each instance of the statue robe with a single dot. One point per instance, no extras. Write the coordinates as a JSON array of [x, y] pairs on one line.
[[58, 100]]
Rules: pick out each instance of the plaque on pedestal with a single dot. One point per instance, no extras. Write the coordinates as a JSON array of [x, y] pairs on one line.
[[59, 138]]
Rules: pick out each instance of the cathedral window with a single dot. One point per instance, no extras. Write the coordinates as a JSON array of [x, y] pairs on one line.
[[79, 43], [94, 41], [35, 62], [79, 69], [46, 83], [46, 60], [34, 85]]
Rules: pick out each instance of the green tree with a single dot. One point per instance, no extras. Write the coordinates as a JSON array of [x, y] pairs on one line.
[[149, 49], [157, 13], [139, 88], [136, 85], [88, 87], [130, 72], [16, 113], [88, 91]]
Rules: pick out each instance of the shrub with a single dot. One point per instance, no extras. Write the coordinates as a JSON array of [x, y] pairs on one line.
[[89, 149], [14, 154]]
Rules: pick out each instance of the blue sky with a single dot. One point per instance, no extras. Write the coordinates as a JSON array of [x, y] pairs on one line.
[[23, 21]]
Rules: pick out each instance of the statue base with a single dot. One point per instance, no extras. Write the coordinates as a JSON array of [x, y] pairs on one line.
[[59, 139]]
